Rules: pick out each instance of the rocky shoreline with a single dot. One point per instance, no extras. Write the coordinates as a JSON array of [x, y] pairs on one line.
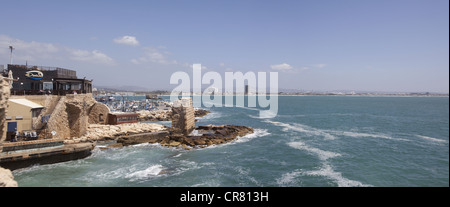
[[7, 178], [165, 115], [100, 132], [138, 133], [206, 136]]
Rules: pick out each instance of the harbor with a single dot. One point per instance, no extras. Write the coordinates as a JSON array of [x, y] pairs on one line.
[[121, 103]]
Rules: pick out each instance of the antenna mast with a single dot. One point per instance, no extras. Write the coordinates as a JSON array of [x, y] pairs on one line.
[[11, 48]]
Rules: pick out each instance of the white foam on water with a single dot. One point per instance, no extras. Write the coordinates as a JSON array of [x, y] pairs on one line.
[[256, 133], [331, 134], [310, 131], [248, 108], [289, 178], [244, 173], [361, 134], [322, 154], [432, 139], [211, 115], [327, 171], [151, 171]]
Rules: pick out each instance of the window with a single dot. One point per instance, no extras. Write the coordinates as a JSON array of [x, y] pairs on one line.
[[76, 86], [48, 86], [35, 112]]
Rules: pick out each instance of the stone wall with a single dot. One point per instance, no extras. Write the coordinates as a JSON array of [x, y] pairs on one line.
[[183, 118], [4, 95], [73, 114], [98, 113], [6, 177]]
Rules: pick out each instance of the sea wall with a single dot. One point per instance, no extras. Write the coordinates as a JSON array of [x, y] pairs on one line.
[[100, 132]]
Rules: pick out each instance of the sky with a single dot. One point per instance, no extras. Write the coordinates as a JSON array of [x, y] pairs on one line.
[[320, 45]]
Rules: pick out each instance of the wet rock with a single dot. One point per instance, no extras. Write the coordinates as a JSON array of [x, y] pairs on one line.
[[201, 112], [115, 145], [211, 135]]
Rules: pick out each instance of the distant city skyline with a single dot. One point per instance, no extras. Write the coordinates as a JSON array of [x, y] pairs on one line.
[[346, 45]]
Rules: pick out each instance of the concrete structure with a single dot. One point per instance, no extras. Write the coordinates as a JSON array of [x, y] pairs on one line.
[[20, 116], [183, 117], [15, 155]]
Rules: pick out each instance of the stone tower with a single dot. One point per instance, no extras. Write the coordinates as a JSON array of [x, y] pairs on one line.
[[183, 117]]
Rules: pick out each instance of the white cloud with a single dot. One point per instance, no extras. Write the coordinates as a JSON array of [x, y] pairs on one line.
[[283, 66], [127, 40], [27, 50], [94, 56], [153, 55], [39, 51], [321, 65]]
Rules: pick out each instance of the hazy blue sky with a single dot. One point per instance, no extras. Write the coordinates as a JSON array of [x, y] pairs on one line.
[[327, 45]]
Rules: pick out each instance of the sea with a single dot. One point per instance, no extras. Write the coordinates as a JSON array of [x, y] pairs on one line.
[[314, 141]]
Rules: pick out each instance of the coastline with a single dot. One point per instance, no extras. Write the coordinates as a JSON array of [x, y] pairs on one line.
[[320, 94]]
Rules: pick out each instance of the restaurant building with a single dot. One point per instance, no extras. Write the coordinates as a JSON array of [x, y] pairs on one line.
[[40, 80]]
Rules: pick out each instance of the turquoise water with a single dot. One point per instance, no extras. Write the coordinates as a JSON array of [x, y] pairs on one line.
[[314, 141]]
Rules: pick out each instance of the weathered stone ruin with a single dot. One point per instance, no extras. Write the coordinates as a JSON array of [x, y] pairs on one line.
[[72, 115], [165, 115], [183, 117], [4, 95], [179, 135]]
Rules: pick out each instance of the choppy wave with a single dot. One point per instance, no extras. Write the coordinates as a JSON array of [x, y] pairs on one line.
[[256, 133], [322, 154], [289, 178], [327, 171], [329, 134], [432, 139], [151, 171], [244, 174], [310, 131], [361, 134], [211, 115]]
